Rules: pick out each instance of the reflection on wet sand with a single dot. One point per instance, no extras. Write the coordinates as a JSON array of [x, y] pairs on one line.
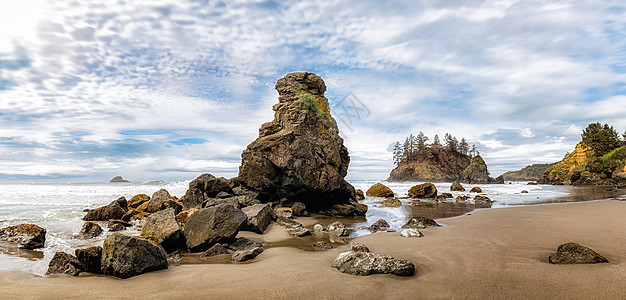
[[437, 210], [12, 249], [585, 193]]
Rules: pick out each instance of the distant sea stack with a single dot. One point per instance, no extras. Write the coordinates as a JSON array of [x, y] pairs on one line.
[[299, 156], [118, 179], [529, 173]]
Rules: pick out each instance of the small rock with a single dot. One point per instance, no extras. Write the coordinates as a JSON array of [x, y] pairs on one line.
[[476, 190], [246, 254], [318, 228], [380, 225], [425, 190], [63, 263], [116, 227], [121, 222], [244, 243], [572, 253], [91, 229], [322, 245], [259, 217], [128, 256], [128, 216], [26, 236], [446, 195], [524, 192], [457, 187], [420, 223], [337, 228], [462, 198], [204, 187], [392, 202], [222, 195], [90, 258], [284, 212], [293, 228], [379, 190], [411, 232], [299, 209], [364, 263], [531, 183], [216, 249], [482, 199], [358, 247], [359, 195]]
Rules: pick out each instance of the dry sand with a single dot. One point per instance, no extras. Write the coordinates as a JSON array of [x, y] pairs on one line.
[[495, 253]]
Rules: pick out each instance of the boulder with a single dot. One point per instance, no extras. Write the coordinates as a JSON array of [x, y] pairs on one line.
[[380, 225], [90, 258], [457, 187], [128, 216], [359, 195], [420, 223], [204, 187], [91, 229], [215, 224], [26, 236], [115, 210], [259, 217], [359, 261], [244, 243], [425, 190], [116, 227], [283, 212], [246, 254], [379, 190], [322, 245], [411, 232], [118, 179], [337, 228], [299, 156], [446, 195], [121, 222], [524, 192], [293, 228], [234, 201], [572, 253], [462, 198], [476, 190], [128, 256], [299, 209], [482, 199], [497, 180], [318, 228], [137, 200], [162, 200], [63, 263], [216, 249], [391, 202], [357, 209], [163, 228]]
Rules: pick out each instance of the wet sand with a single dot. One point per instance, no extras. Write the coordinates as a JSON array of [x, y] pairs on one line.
[[493, 253]]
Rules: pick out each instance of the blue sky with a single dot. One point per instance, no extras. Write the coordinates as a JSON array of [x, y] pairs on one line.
[[171, 89]]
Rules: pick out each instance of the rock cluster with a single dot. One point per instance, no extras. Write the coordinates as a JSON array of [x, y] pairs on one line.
[[359, 261]]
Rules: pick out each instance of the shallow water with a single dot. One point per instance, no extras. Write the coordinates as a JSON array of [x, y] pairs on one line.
[[59, 209]]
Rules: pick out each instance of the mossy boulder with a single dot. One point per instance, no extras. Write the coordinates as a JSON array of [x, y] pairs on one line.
[[391, 202], [424, 190], [137, 200], [379, 190], [573, 253], [26, 236], [457, 187], [359, 195]]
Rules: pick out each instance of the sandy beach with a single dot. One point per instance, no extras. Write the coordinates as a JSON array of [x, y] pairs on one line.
[[495, 253]]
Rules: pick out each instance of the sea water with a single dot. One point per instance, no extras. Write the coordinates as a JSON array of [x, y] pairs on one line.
[[59, 208]]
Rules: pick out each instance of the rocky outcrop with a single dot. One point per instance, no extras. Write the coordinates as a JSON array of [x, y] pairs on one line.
[[118, 179], [359, 261], [91, 229], [128, 256], [138, 200], [476, 190], [359, 195], [115, 210], [457, 187], [259, 217], [411, 232], [162, 200], [380, 225], [528, 173], [572, 253], [379, 190], [420, 223], [246, 254], [63, 263], [438, 165], [244, 243], [90, 258], [293, 228], [203, 188], [216, 249], [425, 190], [476, 172], [299, 156], [26, 236], [163, 228], [216, 224]]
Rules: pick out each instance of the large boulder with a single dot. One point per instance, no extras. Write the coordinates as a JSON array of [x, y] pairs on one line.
[[162, 200], [137, 200], [215, 224], [204, 187], [424, 190], [476, 172], [572, 253], [359, 261], [299, 156], [163, 228], [380, 225], [457, 187], [379, 190], [128, 256], [26, 236], [259, 216], [63, 263], [90, 258], [91, 229], [115, 210]]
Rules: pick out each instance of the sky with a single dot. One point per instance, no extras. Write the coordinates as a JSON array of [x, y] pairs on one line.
[[170, 89]]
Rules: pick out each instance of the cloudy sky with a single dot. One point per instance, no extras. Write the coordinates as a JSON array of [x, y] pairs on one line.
[[170, 89]]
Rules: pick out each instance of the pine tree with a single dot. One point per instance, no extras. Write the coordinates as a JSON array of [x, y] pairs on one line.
[[406, 149], [601, 138], [436, 143], [473, 151], [421, 141], [397, 153], [463, 146]]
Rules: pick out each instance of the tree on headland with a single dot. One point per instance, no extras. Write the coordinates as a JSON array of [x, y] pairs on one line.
[[601, 138], [397, 153], [417, 147]]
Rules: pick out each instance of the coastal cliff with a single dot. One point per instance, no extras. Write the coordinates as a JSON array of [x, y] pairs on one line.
[[529, 173]]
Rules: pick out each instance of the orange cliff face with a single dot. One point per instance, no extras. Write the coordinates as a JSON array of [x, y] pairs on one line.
[[580, 154]]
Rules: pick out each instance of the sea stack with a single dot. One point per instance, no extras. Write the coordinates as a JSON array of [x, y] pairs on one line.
[[299, 156]]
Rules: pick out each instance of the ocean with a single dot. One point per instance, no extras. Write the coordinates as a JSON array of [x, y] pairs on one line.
[[59, 208]]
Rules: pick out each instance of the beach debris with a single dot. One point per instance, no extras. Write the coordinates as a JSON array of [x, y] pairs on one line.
[[91, 229], [138, 200], [299, 209], [115, 210], [204, 187], [391, 202], [283, 212], [217, 249], [246, 254], [293, 228], [476, 190], [63, 263], [380, 225], [322, 245], [359, 261], [420, 223], [127, 256], [118, 179], [215, 224], [163, 228], [26, 236], [259, 217], [457, 187], [411, 232], [90, 258], [482, 199], [359, 195], [524, 192], [424, 190], [243, 243], [379, 190], [337, 228], [573, 253]]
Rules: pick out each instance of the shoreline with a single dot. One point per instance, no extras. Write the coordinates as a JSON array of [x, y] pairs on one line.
[[489, 253]]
